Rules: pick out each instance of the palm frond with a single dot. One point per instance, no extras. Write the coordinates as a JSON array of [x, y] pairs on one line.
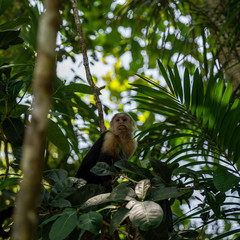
[[202, 111]]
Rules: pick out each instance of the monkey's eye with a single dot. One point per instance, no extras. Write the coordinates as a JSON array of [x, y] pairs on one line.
[[124, 119], [117, 120]]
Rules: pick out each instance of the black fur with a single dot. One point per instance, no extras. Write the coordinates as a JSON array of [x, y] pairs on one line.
[[89, 161]]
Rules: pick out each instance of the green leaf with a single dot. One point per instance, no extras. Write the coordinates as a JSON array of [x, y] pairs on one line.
[[103, 169], [200, 97], [164, 73], [55, 175], [173, 81], [8, 182], [130, 167], [62, 189], [91, 222], [208, 101], [56, 136], [13, 128], [60, 203], [63, 226], [226, 234], [146, 215], [14, 23], [77, 87], [96, 200], [9, 37], [4, 5], [161, 169], [213, 203], [118, 218], [223, 107], [122, 192], [224, 180], [192, 234], [142, 188], [195, 91], [218, 89], [157, 194], [178, 83], [187, 88], [232, 121], [54, 217]]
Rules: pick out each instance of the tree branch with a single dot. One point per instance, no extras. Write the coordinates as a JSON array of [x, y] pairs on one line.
[[25, 217], [94, 88], [119, 230]]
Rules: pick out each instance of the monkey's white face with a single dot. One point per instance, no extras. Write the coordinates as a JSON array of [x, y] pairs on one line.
[[121, 122]]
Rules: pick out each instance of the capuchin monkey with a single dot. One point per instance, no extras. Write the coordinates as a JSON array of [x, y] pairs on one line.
[[107, 148]]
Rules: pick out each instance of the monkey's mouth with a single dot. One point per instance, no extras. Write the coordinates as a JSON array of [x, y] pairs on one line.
[[120, 127]]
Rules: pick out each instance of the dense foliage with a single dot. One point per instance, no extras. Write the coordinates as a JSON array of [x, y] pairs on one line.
[[188, 120]]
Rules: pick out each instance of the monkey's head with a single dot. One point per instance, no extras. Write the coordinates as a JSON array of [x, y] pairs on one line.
[[122, 122]]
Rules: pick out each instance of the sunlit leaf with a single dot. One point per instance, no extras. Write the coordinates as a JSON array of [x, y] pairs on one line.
[[142, 188], [146, 215]]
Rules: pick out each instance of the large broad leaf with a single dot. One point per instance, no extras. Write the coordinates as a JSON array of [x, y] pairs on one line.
[[66, 211], [91, 222], [146, 215], [60, 203], [62, 189], [56, 136], [96, 200], [122, 193], [224, 180], [55, 175], [103, 169], [130, 167], [64, 225], [157, 194]]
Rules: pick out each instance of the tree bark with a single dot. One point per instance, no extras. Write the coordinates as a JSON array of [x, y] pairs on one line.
[[228, 57], [25, 216]]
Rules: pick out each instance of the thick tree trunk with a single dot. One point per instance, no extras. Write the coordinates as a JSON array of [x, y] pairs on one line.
[[25, 217], [229, 57]]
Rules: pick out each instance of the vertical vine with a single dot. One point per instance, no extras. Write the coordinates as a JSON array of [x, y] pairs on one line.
[[95, 89]]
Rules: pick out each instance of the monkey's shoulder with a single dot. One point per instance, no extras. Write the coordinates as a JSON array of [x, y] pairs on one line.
[[109, 142]]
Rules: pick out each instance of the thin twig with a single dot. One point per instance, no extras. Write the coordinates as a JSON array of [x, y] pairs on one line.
[[6, 157], [94, 88], [5, 143], [119, 230]]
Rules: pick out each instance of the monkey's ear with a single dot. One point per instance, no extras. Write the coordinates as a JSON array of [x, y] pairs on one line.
[[133, 125]]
